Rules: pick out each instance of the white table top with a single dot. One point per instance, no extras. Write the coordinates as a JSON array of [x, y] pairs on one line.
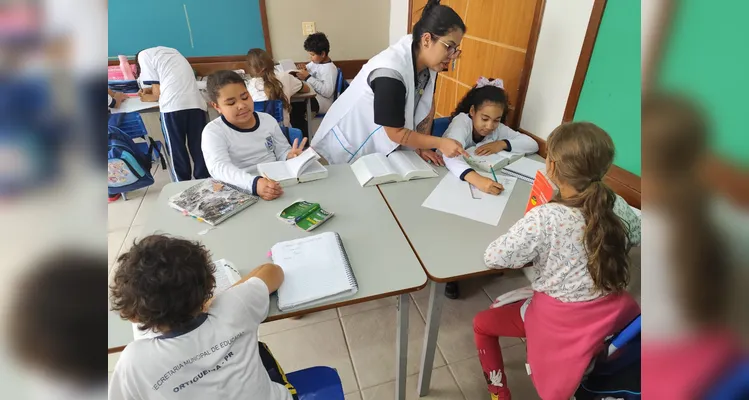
[[382, 260], [449, 246], [134, 104]]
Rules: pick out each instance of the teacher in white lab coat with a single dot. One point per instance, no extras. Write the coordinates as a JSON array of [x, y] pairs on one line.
[[390, 103]]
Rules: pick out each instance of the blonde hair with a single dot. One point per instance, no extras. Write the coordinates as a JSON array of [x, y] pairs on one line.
[[582, 154], [260, 65]]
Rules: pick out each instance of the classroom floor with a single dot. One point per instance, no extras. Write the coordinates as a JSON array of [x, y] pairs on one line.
[[359, 340]]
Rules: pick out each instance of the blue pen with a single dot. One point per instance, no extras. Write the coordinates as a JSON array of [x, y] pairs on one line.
[[494, 175]]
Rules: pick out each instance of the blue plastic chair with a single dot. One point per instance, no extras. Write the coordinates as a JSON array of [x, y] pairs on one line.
[[317, 383], [292, 134], [439, 126], [272, 107], [733, 386]]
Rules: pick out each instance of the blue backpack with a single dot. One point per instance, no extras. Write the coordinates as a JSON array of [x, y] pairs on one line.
[[128, 168]]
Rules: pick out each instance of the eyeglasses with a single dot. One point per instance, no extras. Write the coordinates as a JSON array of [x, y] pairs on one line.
[[452, 51]]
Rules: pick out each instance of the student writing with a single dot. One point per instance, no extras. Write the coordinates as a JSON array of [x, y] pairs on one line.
[[235, 143], [167, 77], [579, 245], [206, 347], [478, 120], [269, 84]]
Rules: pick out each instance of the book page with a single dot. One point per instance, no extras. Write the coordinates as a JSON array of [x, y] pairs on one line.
[[226, 275], [278, 171], [314, 268], [298, 164], [409, 165]]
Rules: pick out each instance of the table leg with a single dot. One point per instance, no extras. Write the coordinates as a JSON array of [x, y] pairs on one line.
[[310, 117], [434, 313], [401, 347]]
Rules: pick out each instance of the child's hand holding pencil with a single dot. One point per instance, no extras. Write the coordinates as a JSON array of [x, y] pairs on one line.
[[268, 189]]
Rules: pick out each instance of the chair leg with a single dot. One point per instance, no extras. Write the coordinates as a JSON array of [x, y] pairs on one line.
[[124, 196]]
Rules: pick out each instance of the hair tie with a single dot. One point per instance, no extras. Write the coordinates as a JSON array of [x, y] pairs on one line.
[[486, 82], [595, 180]]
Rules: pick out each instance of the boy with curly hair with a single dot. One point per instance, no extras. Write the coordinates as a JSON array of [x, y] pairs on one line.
[[206, 347]]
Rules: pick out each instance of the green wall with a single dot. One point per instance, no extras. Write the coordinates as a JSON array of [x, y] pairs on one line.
[[705, 58], [611, 92]]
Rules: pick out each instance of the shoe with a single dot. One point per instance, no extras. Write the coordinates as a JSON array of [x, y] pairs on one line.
[[114, 198], [452, 291], [505, 395]]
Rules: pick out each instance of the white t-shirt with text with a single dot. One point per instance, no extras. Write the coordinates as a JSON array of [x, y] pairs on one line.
[[218, 359]]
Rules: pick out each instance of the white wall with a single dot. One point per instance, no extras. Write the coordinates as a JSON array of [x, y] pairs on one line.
[[561, 38], [356, 29], [398, 19]]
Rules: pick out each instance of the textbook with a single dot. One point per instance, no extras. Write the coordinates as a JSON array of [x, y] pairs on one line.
[[399, 166], [496, 160], [300, 169], [226, 275], [542, 191], [212, 201], [316, 270], [305, 215]]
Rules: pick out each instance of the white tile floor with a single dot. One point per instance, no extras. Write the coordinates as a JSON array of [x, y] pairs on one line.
[[359, 340]]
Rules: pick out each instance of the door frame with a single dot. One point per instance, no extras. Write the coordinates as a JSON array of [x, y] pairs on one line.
[[530, 55]]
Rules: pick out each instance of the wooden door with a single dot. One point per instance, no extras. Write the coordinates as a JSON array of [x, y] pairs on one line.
[[499, 43]]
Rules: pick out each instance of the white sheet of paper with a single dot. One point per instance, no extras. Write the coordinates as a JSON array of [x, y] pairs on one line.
[[454, 197], [133, 104]]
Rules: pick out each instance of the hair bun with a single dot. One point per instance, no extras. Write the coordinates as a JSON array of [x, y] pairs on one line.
[[431, 5]]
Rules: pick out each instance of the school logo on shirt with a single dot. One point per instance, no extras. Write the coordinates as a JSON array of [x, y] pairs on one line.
[[269, 143]]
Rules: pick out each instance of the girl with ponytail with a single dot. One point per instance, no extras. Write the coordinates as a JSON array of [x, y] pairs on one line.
[[579, 243], [269, 84]]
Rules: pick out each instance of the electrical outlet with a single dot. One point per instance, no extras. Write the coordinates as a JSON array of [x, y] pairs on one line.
[[308, 28]]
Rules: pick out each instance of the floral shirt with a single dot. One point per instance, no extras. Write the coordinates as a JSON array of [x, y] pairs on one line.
[[551, 237]]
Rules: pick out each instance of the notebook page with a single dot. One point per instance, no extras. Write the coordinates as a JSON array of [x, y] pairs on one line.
[[313, 267], [297, 164], [226, 276]]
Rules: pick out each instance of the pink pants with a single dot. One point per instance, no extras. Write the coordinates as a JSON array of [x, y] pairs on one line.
[[488, 326]]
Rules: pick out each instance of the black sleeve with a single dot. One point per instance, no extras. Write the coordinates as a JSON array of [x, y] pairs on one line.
[[389, 102]]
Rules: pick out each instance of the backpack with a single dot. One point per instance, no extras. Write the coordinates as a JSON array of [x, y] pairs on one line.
[[128, 168]]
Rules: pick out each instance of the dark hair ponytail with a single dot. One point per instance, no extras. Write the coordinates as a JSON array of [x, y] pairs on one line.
[[478, 96], [436, 19]]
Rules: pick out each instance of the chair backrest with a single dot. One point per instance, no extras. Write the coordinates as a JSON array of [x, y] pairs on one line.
[[439, 126], [272, 107], [339, 84], [292, 134], [734, 385]]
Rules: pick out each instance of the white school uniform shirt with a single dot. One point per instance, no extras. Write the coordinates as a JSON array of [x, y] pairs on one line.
[[291, 86], [173, 73], [551, 237], [323, 78], [348, 130], [461, 130], [217, 359], [232, 154]]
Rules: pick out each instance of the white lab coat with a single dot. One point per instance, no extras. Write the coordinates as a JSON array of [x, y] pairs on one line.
[[348, 130]]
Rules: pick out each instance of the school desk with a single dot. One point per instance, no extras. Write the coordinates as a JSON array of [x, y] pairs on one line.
[[450, 247], [382, 260], [134, 104], [307, 98]]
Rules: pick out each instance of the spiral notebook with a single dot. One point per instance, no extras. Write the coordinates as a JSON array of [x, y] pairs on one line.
[[316, 270]]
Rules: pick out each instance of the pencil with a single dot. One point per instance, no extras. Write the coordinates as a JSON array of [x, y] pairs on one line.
[[266, 177], [494, 175]]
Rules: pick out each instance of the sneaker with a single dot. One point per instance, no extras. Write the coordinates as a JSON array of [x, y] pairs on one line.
[[451, 290], [114, 198], [504, 395]]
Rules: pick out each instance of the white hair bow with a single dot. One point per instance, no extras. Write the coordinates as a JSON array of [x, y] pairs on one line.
[[486, 82]]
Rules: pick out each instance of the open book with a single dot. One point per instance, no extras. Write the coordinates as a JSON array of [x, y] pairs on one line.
[[226, 276], [285, 66], [212, 201], [316, 270], [496, 160], [300, 169], [399, 166]]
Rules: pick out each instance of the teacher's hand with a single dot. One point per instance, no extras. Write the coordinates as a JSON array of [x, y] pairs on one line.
[[451, 148], [430, 156]]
